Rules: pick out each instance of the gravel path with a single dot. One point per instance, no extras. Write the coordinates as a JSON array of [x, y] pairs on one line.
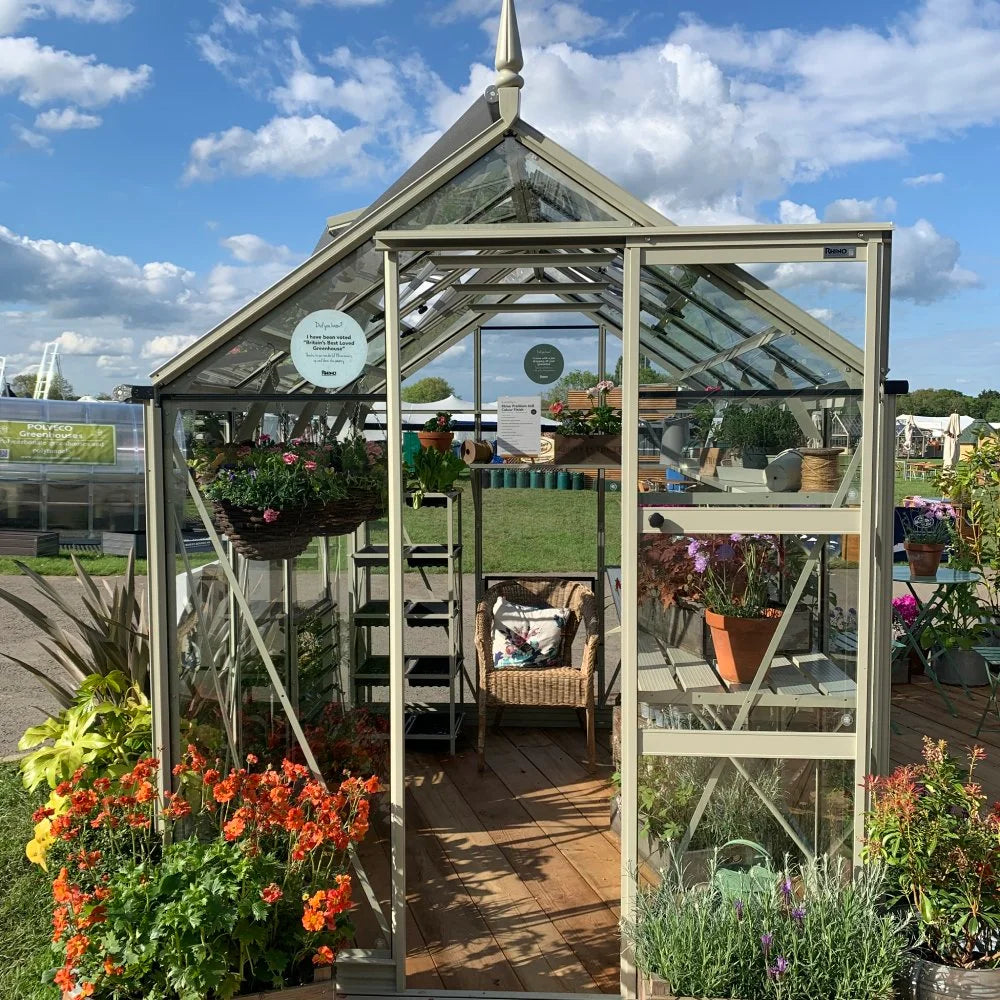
[[23, 699]]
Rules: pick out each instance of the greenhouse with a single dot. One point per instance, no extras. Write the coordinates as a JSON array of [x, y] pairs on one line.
[[383, 606]]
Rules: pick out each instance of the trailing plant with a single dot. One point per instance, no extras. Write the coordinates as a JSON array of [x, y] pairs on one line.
[[814, 932], [930, 827], [108, 727], [736, 577], [109, 635], [599, 419], [768, 427], [440, 423], [433, 471], [255, 899], [276, 476]]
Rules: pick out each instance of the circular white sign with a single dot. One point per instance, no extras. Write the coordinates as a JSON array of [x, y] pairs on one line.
[[329, 348]]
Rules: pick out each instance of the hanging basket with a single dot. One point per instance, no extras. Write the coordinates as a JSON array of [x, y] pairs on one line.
[[587, 449], [347, 515], [254, 538], [820, 470]]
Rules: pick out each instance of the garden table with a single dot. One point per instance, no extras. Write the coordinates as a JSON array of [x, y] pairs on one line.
[[942, 582], [991, 654]]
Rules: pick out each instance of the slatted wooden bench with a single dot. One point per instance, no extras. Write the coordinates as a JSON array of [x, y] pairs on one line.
[[674, 676], [29, 543]]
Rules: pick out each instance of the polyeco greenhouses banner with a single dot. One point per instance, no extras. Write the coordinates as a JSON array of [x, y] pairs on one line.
[[57, 443]]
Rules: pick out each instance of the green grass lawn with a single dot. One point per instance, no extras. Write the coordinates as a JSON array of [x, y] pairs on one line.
[[95, 563], [25, 921]]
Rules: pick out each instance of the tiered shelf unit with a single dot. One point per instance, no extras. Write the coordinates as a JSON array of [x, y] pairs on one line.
[[434, 720]]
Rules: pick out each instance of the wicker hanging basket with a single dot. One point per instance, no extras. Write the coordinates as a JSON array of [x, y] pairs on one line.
[[820, 470], [289, 535]]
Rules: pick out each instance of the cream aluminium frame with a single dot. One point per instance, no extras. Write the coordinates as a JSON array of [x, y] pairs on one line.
[[720, 248]]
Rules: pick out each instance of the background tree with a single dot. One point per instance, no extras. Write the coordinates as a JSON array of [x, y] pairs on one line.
[[578, 379], [427, 390], [24, 385], [648, 375], [944, 402]]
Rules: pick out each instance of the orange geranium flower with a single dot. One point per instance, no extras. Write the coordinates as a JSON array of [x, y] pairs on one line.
[[324, 955]]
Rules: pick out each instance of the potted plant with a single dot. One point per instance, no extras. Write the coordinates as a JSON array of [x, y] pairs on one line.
[[438, 432], [736, 577], [432, 471], [927, 527], [811, 930], [930, 825], [904, 613], [958, 625], [759, 433], [588, 437], [270, 498], [253, 896]]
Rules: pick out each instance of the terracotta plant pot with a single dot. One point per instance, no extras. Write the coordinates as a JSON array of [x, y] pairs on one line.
[[924, 558], [930, 981], [438, 440], [740, 643]]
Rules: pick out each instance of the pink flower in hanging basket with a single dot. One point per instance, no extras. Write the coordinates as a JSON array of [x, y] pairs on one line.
[[310, 466], [289, 458], [271, 515]]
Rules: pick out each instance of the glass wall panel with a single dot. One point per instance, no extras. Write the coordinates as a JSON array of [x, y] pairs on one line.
[[735, 812], [708, 607]]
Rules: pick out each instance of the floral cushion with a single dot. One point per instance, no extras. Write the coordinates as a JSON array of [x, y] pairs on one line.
[[525, 637]]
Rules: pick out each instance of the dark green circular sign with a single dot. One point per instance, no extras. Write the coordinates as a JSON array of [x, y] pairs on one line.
[[543, 364]]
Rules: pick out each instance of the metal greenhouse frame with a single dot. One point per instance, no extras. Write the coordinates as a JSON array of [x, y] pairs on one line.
[[493, 215]]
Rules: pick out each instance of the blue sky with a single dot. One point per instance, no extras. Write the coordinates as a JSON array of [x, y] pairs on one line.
[[160, 163]]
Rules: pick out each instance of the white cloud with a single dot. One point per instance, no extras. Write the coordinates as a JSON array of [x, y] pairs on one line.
[[855, 210], [922, 180], [540, 21], [71, 342], [13, 13], [64, 119], [34, 140], [119, 365], [168, 345], [343, 3], [823, 314], [39, 74], [248, 248], [291, 146]]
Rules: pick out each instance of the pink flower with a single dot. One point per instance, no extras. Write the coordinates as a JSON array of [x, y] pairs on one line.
[[374, 450], [297, 441], [310, 466], [442, 421], [264, 439], [289, 458], [271, 515], [556, 408]]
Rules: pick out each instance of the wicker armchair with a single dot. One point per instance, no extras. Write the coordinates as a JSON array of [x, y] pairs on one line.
[[564, 685]]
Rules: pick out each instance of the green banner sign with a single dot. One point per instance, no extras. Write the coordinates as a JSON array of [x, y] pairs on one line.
[[59, 444]]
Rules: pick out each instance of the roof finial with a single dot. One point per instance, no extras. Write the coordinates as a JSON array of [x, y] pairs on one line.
[[509, 61]]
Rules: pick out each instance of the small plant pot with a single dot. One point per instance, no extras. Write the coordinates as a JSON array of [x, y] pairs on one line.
[[964, 667], [740, 643], [754, 458], [930, 981], [924, 559], [438, 440]]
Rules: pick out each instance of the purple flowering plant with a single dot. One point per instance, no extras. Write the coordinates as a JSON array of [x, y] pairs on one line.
[[928, 522], [737, 575]]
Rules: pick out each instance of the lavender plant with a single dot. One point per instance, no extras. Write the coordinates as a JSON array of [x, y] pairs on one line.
[[811, 933]]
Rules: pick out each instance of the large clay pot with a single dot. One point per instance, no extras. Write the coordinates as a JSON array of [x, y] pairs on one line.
[[930, 981], [924, 558], [740, 643], [587, 449], [438, 440]]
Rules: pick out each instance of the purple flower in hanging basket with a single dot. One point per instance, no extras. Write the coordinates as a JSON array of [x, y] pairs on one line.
[[271, 515], [736, 537], [694, 547], [700, 562]]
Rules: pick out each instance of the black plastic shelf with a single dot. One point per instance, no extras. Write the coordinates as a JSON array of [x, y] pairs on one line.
[[430, 671], [373, 613], [373, 670], [373, 555], [426, 554], [427, 614], [432, 725]]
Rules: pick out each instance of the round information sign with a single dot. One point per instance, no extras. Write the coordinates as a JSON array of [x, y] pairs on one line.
[[543, 364], [329, 348]]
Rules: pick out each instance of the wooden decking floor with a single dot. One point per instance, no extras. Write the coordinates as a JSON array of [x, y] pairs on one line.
[[918, 710], [512, 876]]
